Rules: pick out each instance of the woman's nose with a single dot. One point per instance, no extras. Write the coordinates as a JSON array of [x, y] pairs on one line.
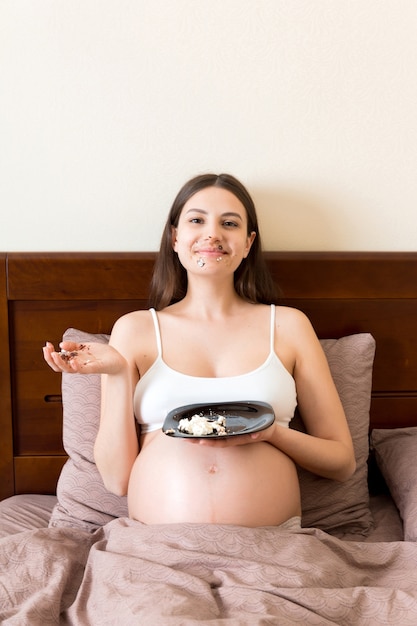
[[213, 238]]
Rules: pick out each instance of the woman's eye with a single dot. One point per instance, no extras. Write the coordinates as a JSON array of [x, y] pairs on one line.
[[196, 220], [230, 224]]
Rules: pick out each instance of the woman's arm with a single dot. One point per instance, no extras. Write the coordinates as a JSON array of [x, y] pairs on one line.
[[327, 447], [116, 446]]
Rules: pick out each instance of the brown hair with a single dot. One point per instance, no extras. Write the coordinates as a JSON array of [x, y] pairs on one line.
[[253, 281]]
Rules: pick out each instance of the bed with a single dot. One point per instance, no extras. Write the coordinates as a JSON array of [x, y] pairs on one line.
[[68, 552]]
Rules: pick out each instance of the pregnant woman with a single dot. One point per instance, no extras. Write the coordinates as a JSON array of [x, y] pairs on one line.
[[215, 333]]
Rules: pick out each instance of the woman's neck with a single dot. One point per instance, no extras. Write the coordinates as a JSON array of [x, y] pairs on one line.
[[210, 300]]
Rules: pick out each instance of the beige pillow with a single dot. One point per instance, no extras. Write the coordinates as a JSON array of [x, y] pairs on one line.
[[83, 501], [396, 453], [342, 509], [338, 508]]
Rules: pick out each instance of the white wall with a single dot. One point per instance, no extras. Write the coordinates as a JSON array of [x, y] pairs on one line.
[[108, 106]]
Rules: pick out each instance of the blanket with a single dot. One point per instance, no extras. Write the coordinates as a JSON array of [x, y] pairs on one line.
[[186, 574]]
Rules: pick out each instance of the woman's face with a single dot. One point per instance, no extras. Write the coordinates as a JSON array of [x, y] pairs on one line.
[[212, 232]]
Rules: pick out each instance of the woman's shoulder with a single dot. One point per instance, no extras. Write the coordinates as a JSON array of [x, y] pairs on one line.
[[134, 320], [291, 314], [294, 321]]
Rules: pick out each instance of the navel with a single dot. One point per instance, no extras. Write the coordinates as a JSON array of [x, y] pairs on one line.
[[213, 469]]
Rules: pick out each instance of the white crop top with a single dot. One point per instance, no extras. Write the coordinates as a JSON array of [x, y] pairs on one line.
[[162, 389]]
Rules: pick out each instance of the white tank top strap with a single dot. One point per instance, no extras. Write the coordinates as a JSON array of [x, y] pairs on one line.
[[272, 332], [157, 332]]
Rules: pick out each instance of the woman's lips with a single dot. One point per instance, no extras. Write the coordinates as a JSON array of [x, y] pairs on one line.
[[209, 253], [215, 251]]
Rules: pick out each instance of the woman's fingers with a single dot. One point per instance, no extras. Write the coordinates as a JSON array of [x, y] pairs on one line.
[[64, 360], [84, 358], [48, 352]]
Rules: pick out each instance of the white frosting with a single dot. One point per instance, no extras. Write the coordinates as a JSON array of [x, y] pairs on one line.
[[200, 426]]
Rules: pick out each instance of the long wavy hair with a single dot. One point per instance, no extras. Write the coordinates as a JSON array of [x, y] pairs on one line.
[[252, 280]]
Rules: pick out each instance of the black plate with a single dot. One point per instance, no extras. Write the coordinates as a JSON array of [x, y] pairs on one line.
[[241, 418]]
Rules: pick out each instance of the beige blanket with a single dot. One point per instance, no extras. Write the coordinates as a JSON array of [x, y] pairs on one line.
[[128, 573]]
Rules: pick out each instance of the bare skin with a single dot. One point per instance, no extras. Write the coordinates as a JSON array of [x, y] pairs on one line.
[[249, 480]]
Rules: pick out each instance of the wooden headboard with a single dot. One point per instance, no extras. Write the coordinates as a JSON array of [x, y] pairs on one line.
[[41, 294]]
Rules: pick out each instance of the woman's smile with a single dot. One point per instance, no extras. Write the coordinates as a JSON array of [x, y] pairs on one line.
[[213, 226]]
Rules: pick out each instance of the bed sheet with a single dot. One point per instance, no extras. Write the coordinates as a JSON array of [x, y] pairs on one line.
[[31, 511], [127, 572], [25, 512]]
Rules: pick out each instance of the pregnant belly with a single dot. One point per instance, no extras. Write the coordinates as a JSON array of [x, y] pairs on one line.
[[175, 481]]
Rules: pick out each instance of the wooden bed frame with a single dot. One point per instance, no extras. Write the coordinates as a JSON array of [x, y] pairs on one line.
[[41, 294]]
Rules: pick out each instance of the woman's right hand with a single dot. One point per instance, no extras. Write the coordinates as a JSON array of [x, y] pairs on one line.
[[84, 358]]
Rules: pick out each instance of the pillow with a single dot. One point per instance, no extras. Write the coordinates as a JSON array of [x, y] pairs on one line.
[[395, 453], [338, 508], [342, 509], [83, 501]]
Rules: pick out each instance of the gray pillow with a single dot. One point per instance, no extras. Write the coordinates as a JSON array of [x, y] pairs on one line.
[[338, 508], [396, 453], [342, 509], [83, 501]]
